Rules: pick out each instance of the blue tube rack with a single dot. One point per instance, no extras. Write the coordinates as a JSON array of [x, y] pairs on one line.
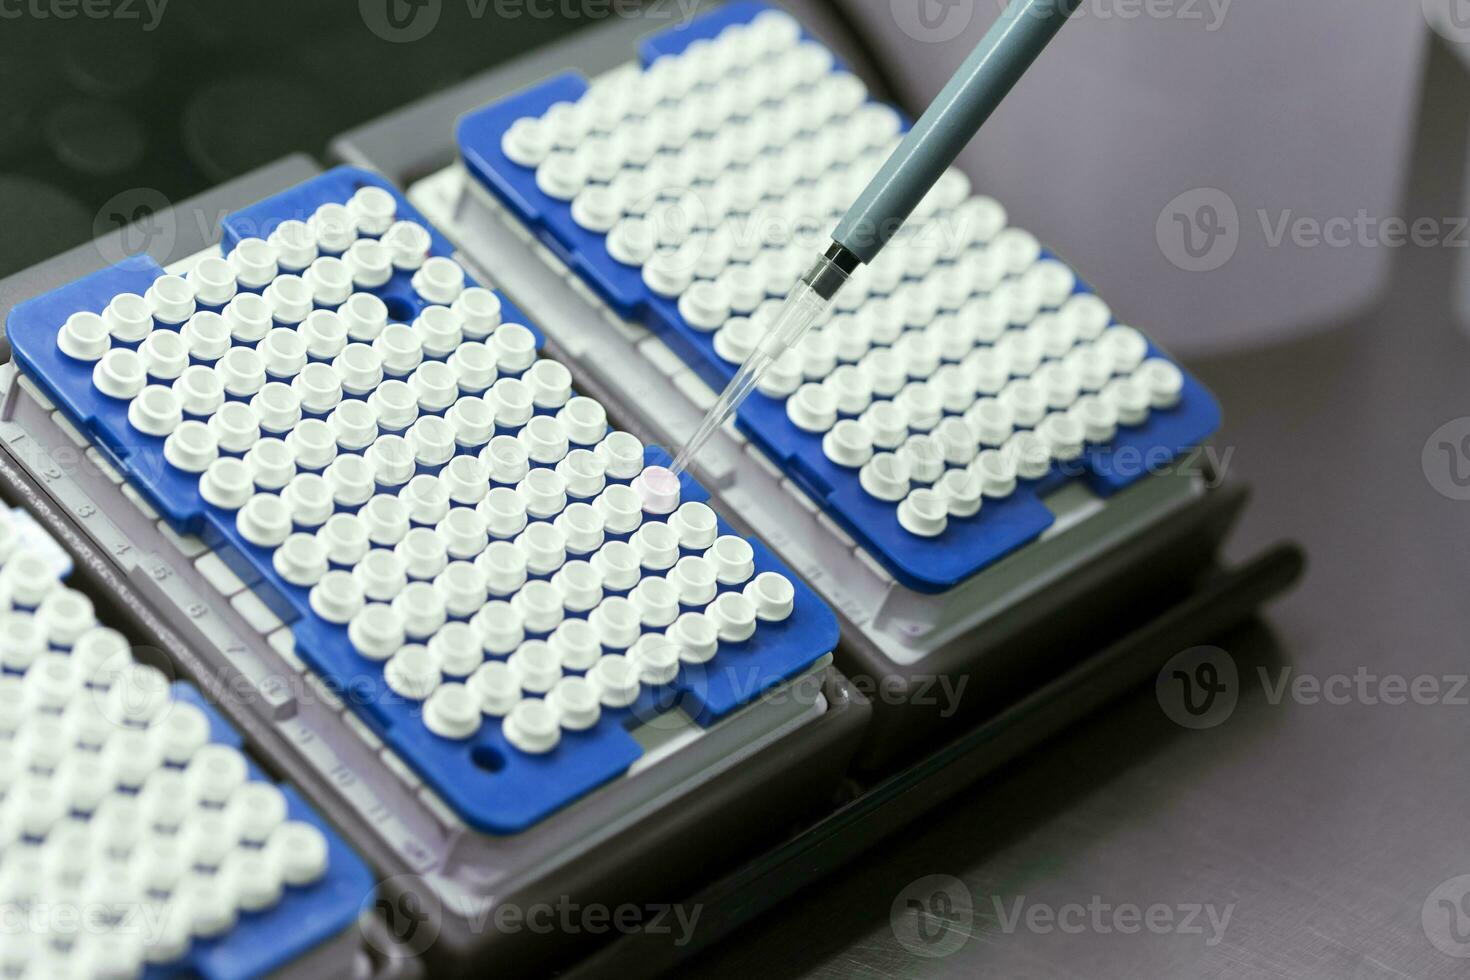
[[264, 943], [491, 785], [932, 565]]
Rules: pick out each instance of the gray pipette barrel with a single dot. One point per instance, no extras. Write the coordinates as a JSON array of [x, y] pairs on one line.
[[987, 76]]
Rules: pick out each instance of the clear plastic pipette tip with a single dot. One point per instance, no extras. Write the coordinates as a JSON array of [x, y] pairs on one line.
[[802, 308]]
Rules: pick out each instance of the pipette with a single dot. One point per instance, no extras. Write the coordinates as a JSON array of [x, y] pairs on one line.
[[1000, 59]]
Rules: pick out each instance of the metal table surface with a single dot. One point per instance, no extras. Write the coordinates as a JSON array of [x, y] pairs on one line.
[[1317, 831]]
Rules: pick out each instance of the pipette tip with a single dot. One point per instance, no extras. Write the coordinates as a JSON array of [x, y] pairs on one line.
[[803, 306]]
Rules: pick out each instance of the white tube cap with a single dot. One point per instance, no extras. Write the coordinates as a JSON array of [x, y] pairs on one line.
[[1163, 381], [439, 280], [618, 562], [617, 621], [479, 311], [277, 407], [885, 477], [584, 473], [351, 480], [694, 579], [962, 491], [213, 280], [474, 367], [580, 585], [545, 439], [206, 336], [331, 279], [295, 244], [254, 261], [463, 533], [499, 627], [1129, 398], [271, 463], [374, 208], [462, 587], [550, 382], [156, 411], [622, 455], [453, 711], [191, 447], [504, 512], [924, 512], [249, 318], [300, 560], [335, 227], [772, 594], [264, 521], [658, 489], [313, 443], [376, 632], [365, 315], [997, 473], [337, 597], [544, 547], [241, 371], [511, 400], [536, 666], [473, 420], [227, 483], [577, 702], [543, 492], [733, 559], [539, 605], [621, 508], [301, 853], [532, 726], [515, 347], [409, 243], [84, 337], [696, 525], [656, 657], [496, 687], [165, 355], [616, 679], [733, 616], [458, 649], [170, 299], [657, 602], [423, 553], [128, 318], [400, 348], [657, 545], [1099, 419], [120, 373], [310, 498], [412, 672], [289, 298]]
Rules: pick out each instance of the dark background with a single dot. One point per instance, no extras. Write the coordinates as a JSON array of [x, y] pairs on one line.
[[91, 108], [1325, 827]]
